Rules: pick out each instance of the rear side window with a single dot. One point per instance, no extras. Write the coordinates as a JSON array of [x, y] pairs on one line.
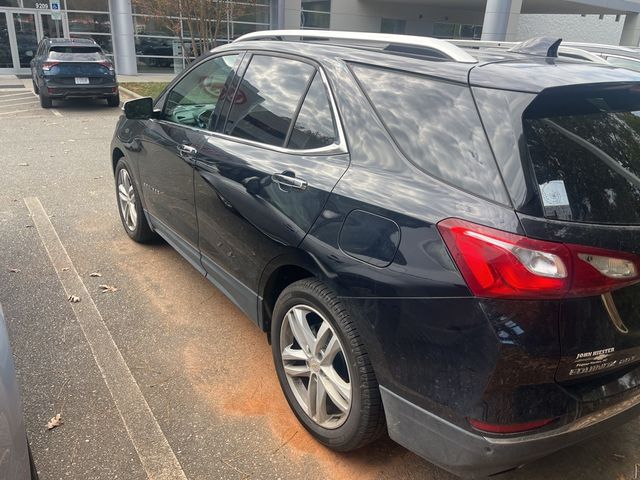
[[267, 99], [314, 126], [585, 151], [436, 126]]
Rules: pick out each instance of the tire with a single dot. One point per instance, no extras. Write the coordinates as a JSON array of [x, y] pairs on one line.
[[135, 224], [45, 102], [338, 428], [114, 101]]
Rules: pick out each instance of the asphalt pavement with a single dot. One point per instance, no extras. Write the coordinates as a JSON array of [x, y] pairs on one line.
[[161, 377]]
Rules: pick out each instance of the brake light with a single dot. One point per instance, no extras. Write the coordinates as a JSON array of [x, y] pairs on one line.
[[510, 427], [107, 64], [498, 264], [49, 65]]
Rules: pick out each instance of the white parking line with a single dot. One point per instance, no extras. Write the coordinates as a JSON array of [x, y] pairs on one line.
[[56, 113], [14, 112], [156, 455], [2, 97], [30, 102]]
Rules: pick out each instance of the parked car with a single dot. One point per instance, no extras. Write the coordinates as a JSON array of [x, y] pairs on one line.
[[73, 68], [16, 462], [441, 244]]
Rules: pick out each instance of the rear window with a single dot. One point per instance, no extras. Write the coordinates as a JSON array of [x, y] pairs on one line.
[[64, 52], [436, 126], [584, 146]]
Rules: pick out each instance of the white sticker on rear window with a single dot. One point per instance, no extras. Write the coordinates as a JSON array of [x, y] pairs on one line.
[[554, 194]]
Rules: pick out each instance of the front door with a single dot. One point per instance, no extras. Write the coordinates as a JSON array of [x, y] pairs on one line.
[[170, 147], [20, 33]]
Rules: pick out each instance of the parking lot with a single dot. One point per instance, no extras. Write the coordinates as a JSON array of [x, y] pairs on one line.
[[161, 376]]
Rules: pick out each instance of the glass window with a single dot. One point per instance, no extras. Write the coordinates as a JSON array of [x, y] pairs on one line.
[[164, 26], [314, 126], [390, 25], [103, 40], [91, 5], [315, 14], [585, 150], [436, 126], [89, 22], [194, 99], [160, 64], [158, 46], [267, 99], [8, 3], [6, 60]]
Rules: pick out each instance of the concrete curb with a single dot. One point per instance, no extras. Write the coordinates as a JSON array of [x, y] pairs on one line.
[[128, 93]]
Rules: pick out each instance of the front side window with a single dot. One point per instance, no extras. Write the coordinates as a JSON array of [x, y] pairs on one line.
[[585, 151], [267, 99], [196, 100], [436, 126]]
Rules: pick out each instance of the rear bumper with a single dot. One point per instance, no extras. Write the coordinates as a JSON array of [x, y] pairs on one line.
[[53, 89], [472, 455]]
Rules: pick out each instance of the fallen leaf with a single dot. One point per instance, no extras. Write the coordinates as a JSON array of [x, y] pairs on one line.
[[98, 177], [73, 299], [14, 270], [23, 164], [64, 269], [95, 274], [28, 226], [108, 288], [54, 422]]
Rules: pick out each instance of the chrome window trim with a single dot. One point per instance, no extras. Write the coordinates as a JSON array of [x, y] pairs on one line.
[[336, 148]]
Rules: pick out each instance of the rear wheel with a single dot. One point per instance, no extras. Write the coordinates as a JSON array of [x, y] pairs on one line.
[[114, 101], [131, 213], [324, 369], [45, 102]]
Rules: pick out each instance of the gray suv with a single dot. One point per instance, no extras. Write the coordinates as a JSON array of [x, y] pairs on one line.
[[15, 457]]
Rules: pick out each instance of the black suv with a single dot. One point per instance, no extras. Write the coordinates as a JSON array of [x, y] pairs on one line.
[[443, 245], [73, 68]]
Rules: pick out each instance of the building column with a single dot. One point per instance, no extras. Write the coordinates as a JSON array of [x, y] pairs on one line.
[[124, 45], [501, 20], [277, 14], [631, 30]]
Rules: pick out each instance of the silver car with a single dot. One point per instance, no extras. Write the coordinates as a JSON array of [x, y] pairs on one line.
[[15, 457]]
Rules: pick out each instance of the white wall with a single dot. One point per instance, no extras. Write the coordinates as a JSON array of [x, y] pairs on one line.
[[572, 28], [365, 16]]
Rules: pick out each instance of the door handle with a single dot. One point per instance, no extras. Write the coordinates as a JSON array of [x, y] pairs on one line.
[[287, 180], [187, 152]]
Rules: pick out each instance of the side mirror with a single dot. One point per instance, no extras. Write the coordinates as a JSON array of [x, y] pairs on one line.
[[139, 109]]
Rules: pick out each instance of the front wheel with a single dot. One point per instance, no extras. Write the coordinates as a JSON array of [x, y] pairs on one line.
[[129, 205], [323, 367]]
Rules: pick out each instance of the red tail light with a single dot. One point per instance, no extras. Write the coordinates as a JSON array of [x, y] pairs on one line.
[[107, 64], [49, 65], [499, 264], [510, 427]]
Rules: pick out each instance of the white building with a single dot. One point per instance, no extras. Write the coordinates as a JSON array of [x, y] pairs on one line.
[[141, 41]]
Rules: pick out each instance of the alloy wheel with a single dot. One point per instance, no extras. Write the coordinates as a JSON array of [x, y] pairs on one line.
[[315, 366], [127, 200]]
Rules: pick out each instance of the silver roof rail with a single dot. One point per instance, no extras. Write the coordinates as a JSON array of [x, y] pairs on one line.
[[564, 50], [444, 47]]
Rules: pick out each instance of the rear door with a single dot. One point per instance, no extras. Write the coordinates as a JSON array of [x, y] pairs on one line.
[[584, 148], [265, 174]]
